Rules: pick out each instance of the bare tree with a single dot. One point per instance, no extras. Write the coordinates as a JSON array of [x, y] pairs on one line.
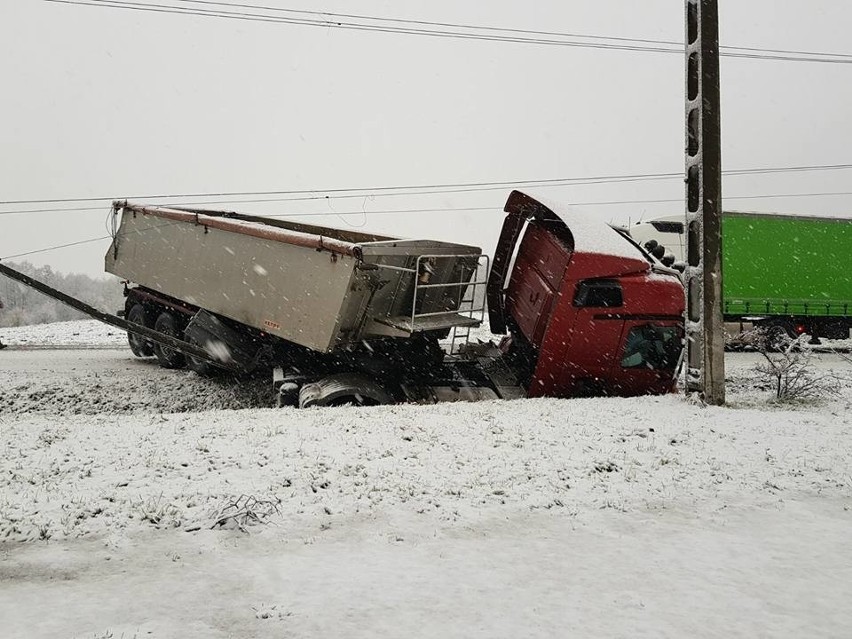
[[788, 363]]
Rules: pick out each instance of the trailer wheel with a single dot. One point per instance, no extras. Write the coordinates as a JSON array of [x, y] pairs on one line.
[[344, 389], [168, 357], [140, 346]]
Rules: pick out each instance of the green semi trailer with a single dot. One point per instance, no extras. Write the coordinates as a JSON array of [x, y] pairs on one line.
[[786, 271]]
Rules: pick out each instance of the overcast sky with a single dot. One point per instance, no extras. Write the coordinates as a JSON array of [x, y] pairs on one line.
[[101, 102]]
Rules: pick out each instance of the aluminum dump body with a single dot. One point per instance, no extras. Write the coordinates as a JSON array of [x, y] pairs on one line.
[[318, 287]]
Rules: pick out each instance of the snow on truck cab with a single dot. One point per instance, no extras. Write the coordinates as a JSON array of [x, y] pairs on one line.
[[344, 317]]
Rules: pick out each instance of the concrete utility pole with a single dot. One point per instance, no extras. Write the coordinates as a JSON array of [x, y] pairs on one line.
[[705, 339]]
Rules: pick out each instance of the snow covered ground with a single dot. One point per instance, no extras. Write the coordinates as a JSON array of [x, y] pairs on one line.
[[78, 333], [651, 517]]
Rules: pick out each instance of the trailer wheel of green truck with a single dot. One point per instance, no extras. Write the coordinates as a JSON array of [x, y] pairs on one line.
[[779, 334], [140, 346], [168, 357], [835, 329]]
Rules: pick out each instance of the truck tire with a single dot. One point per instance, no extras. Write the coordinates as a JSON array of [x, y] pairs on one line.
[[779, 334], [344, 389], [140, 346], [168, 357], [835, 329]]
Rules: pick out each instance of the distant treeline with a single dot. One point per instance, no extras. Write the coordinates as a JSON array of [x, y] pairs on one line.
[[23, 305]]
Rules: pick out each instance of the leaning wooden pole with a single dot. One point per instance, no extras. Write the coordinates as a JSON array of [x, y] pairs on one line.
[[705, 345]]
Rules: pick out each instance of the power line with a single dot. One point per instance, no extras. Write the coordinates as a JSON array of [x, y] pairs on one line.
[[494, 34], [89, 241], [441, 210], [329, 15], [430, 189], [314, 214], [474, 27], [445, 209], [75, 209], [766, 196], [58, 246], [338, 24], [372, 191]]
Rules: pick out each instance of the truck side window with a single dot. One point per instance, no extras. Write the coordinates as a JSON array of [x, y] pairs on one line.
[[599, 294], [654, 347], [668, 227]]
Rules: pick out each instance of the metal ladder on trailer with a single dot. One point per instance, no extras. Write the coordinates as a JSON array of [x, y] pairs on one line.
[[469, 301]]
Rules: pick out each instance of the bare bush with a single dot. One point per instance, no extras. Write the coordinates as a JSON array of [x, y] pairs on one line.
[[245, 511], [788, 366], [159, 512]]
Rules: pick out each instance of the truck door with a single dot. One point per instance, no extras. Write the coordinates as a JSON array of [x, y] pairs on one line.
[[582, 340]]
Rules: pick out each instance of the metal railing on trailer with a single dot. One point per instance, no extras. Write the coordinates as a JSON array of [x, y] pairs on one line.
[[469, 303]]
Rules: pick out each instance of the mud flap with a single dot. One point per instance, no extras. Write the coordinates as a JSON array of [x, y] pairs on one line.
[[221, 341]]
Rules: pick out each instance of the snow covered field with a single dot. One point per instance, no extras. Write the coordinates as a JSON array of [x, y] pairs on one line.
[[79, 333], [596, 517]]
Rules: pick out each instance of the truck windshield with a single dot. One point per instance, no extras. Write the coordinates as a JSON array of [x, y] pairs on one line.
[[654, 347]]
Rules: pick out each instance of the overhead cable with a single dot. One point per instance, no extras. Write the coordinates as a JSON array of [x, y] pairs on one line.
[[475, 27], [467, 32], [429, 189], [445, 209]]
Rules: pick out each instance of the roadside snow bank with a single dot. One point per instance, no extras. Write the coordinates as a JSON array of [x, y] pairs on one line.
[[78, 333], [449, 464], [113, 381]]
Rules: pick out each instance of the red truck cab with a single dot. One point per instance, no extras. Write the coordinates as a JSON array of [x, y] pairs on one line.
[[589, 309]]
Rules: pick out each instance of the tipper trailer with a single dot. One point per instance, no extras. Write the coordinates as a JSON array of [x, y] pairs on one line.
[[343, 317], [790, 273]]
